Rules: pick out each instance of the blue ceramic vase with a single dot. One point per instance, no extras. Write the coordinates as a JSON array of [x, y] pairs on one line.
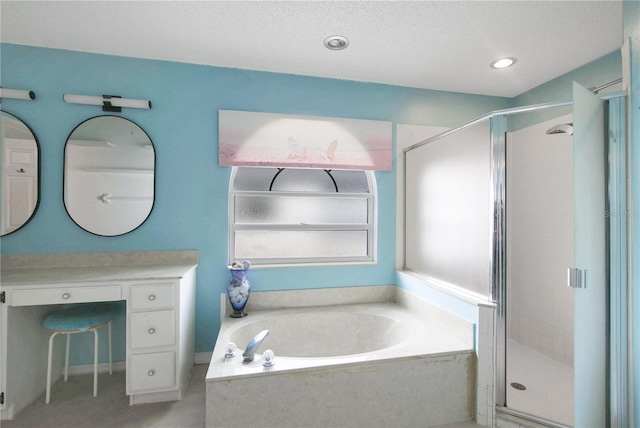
[[238, 291]]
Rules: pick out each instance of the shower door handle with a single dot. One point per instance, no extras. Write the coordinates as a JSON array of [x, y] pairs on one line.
[[576, 278]]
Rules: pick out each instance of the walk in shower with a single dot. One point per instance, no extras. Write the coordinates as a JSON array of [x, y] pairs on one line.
[[539, 249], [520, 208]]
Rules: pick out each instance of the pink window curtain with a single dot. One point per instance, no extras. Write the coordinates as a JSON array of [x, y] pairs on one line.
[[267, 139]]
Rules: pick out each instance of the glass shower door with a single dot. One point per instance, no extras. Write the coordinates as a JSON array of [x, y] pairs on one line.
[[590, 281], [556, 336]]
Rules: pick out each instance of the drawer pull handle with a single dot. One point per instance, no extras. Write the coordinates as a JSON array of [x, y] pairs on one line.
[[65, 296], [152, 330], [152, 297], [151, 372]]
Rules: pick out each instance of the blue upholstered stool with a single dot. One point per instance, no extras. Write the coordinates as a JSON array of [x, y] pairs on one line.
[[79, 319]]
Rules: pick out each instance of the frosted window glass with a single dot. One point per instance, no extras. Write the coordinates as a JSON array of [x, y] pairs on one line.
[[300, 210], [448, 209], [351, 181], [302, 219], [253, 178], [301, 244], [306, 180]]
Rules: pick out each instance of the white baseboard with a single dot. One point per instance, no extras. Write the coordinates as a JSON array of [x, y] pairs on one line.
[[8, 413], [203, 357]]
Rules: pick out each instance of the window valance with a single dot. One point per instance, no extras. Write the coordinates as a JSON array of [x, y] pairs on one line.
[[269, 139]]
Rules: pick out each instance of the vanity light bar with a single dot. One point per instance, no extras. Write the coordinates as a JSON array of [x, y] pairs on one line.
[[17, 94], [108, 102]]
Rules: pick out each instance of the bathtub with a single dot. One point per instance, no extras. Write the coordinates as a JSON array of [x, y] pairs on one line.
[[373, 364]]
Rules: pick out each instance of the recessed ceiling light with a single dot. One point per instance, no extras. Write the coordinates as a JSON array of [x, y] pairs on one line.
[[503, 62], [336, 43]]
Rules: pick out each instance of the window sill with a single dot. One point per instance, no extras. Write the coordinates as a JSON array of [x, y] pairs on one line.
[[312, 265]]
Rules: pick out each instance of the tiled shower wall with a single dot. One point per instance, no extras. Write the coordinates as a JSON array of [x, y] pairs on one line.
[[540, 239]]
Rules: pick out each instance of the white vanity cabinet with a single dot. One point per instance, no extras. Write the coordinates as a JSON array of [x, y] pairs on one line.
[[159, 293], [160, 343]]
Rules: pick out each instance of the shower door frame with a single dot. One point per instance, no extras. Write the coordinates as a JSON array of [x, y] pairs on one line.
[[617, 241]]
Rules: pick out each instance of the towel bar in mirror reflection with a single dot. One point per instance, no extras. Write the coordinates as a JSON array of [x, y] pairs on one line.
[[109, 159]]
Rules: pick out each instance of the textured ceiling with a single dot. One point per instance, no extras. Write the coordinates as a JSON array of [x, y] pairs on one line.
[[441, 45]]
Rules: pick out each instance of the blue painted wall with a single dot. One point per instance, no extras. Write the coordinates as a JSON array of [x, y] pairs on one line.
[[190, 210]]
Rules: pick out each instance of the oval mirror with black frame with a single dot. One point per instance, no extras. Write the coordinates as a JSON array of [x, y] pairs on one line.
[[109, 175], [20, 174]]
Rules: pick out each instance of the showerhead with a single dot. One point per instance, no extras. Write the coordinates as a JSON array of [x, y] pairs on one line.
[[565, 128]]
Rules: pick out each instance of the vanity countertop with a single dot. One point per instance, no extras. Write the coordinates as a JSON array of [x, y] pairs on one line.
[[90, 274], [95, 267]]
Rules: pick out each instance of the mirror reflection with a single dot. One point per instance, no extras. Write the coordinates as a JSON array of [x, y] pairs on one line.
[[20, 173], [109, 181]]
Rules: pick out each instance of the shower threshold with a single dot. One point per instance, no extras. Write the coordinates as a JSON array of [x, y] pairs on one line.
[[525, 417]]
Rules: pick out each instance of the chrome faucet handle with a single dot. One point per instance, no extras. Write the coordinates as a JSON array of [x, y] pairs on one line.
[[268, 358], [231, 350]]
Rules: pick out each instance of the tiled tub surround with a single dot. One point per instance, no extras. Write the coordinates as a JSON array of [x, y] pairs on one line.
[[371, 362], [159, 288]]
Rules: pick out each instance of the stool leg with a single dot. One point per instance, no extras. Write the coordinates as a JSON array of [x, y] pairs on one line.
[[49, 358], [66, 358], [110, 360], [95, 363]]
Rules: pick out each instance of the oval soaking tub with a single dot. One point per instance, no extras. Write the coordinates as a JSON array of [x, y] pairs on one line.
[[374, 365], [324, 333]]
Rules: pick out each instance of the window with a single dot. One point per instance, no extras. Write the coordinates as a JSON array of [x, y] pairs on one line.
[[285, 216]]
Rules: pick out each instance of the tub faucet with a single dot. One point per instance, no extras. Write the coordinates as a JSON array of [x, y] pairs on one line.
[[252, 347]]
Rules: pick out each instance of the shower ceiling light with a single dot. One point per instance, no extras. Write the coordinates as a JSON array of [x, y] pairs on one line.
[[503, 62], [336, 43]]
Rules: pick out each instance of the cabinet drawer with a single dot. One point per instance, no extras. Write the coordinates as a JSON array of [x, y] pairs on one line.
[[59, 295], [152, 296], [151, 329], [151, 372]]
